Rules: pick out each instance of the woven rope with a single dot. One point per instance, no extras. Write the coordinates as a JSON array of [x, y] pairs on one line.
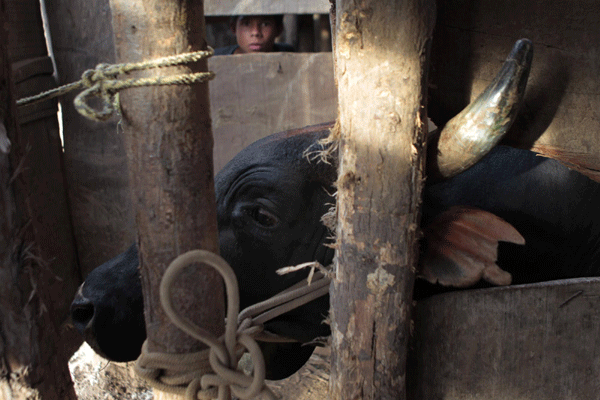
[[213, 372], [102, 83]]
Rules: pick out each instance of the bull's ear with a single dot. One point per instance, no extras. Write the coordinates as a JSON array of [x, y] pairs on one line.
[[461, 248], [470, 135]]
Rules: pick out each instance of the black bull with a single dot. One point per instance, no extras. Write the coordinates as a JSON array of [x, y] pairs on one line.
[[270, 200]]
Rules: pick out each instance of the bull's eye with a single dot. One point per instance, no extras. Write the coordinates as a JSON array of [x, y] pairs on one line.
[[264, 218]]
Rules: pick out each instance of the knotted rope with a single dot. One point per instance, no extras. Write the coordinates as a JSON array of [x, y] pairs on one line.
[[192, 374], [102, 83]]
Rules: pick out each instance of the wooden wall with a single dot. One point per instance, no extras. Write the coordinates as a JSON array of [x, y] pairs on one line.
[[237, 7], [535, 342], [39, 265], [255, 95], [39, 145]]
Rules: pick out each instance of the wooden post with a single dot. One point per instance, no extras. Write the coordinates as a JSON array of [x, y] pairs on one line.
[[94, 152], [169, 148], [381, 50], [38, 274]]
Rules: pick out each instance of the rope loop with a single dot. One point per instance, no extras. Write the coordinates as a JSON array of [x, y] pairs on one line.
[[172, 372], [222, 352], [213, 372], [101, 82]]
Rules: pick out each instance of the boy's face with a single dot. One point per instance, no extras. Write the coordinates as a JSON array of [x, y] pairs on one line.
[[256, 33]]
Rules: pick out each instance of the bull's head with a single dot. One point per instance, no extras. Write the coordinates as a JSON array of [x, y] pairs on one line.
[[270, 201]]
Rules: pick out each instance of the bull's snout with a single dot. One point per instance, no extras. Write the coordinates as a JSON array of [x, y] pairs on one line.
[[113, 339], [108, 309], [83, 315], [82, 312]]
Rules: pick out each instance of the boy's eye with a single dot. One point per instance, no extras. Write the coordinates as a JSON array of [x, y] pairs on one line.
[[264, 217]]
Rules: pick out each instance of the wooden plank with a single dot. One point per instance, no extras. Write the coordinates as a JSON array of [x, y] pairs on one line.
[[560, 116], [36, 249], [43, 178], [26, 35], [535, 342], [254, 95], [243, 7], [381, 52]]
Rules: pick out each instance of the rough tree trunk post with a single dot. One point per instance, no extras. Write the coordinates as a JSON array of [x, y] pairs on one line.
[[169, 148], [381, 51]]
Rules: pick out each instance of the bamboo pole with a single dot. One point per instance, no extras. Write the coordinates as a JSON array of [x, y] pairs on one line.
[[169, 149], [381, 50]]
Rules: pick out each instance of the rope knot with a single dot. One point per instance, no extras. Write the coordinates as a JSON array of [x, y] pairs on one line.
[[223, 353], [88, 77], [175, 373], [216, 369], [227, 375], [101, 82], [92, 76]]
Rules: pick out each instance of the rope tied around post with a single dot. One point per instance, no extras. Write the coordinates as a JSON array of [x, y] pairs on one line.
[[101, 82], [192, 374]]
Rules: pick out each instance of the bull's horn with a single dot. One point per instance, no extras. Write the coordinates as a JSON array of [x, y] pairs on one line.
[[471, 134]]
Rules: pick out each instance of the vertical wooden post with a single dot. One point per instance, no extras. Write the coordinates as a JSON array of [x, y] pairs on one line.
[[169, 148], [94, 153], [381, 50]]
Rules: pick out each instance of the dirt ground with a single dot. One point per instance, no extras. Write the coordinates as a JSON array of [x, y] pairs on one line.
[[98, 379]]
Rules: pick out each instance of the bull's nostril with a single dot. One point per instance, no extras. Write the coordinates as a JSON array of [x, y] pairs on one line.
[[82, 314]]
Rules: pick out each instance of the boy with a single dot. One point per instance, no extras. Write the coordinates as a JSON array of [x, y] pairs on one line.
[[254, 34]]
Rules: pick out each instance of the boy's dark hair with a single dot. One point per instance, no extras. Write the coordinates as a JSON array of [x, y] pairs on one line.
[[277, 17]]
